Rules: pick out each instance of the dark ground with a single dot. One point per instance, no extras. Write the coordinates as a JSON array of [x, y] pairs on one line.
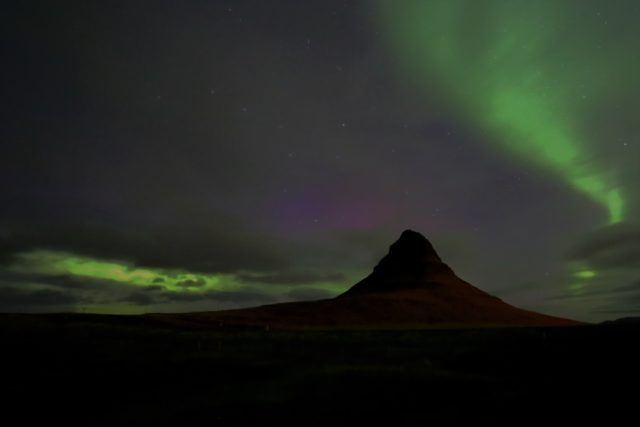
[[116, 371]]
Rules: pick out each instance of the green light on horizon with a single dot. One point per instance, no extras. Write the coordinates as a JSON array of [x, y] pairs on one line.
[[47, 263], [585, 274], [54, 262]]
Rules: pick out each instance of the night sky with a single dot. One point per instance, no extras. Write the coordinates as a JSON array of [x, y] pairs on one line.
[[201, 155]]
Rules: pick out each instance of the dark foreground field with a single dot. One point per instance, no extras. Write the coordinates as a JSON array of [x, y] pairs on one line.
[[108, 370]]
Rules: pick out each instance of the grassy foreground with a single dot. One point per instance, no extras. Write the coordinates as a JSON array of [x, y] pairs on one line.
[[126, 370]]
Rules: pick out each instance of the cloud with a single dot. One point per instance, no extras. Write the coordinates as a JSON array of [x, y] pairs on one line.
[[310, 294], [290, 278], [225, 247], [139, 298], [611, 256], [62, 281], [96, 291], [192, 283], [620, 311], [31, 291], [236, 297], [612, 247], [629, 305], [603, 290], [14, 298]]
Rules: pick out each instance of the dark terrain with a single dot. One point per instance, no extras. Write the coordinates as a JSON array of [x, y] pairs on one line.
[[128, 370], [411, 344]]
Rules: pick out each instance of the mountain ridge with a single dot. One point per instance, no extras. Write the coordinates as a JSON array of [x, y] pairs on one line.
[[411, 287]]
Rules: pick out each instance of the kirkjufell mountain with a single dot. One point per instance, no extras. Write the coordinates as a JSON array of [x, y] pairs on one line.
[[409, 288]]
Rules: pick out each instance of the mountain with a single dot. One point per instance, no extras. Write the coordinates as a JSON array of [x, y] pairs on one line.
[[409, 288]]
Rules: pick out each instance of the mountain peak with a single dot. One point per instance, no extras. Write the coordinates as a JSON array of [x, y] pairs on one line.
[[415, 245], [409, 233], [411, 260]]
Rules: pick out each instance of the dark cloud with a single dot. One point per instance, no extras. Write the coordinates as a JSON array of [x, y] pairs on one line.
[[222, 248], [63, 281], [616, 246], [603, 290], [619, 311], [139, 298], [627, 306], [632, 287], [19, 298], [309, 294], [76, 289], [11, 276], [235, 297], [291, 278]]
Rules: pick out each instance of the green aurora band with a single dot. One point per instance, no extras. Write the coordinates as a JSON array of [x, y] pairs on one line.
[[58, 263], [524, 71], [64, 263]]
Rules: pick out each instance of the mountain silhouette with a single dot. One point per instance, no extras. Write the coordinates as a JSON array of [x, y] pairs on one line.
[[411, 287], [411, 264]]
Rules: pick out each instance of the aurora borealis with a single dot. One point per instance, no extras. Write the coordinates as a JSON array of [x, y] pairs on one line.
[[520, 72], [208, 155]]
